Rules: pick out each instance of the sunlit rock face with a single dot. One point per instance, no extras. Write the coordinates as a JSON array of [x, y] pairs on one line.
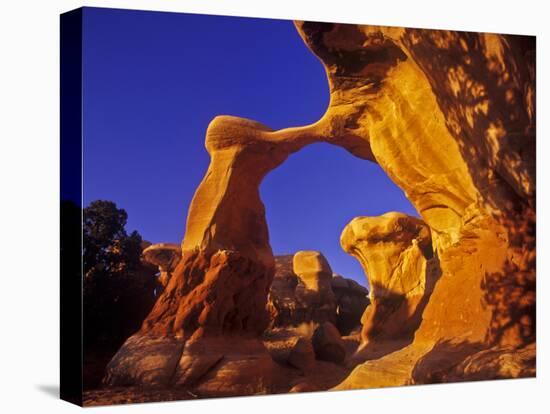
[[164, 255], [226, 296], [313, 270], [450, 117], [396, 253], [314, 289], [219, 289]]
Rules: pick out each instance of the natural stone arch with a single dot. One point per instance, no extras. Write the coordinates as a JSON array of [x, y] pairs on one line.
[[219, 289], [445, 137]]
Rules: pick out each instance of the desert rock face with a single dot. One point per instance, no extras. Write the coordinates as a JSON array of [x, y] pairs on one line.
[[449, 116], [164, 255], [304, 294], [217, 325], [314, 289], [313, 270], [304, 290], [328, 344], [396, 253]]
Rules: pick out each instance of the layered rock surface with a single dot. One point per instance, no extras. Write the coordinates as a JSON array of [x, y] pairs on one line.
[[396, 253], [164, 255], [450, 117], [304, 290]]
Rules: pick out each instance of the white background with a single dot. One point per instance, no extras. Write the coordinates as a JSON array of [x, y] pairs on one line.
[[29, 193]]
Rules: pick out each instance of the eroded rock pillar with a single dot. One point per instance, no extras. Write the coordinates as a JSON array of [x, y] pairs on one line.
[[204, 329], [396, 253]]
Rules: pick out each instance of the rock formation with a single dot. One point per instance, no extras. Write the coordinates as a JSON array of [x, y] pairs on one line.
[[396, 252], [328, 344], [306, 300], [314, 271], [164, 255], [314, 290], [304, 290], [351, 301], [296, 351], [450, 117]]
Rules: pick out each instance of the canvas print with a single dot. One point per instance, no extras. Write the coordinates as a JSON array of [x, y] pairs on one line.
[[257, 206]]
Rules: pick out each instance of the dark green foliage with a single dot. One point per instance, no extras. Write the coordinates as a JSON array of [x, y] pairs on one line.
[[118, 287]]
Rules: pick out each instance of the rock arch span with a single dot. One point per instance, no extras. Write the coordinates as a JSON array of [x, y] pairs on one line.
[[450, 117]]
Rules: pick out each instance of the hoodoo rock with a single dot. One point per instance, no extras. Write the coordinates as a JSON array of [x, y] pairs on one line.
[[314, 289], [164, 255], [305, 291], [396, 252], [313, 270], [450, 117], [198, 343]]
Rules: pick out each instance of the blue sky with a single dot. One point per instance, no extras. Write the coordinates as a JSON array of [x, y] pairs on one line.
[[153, 81]]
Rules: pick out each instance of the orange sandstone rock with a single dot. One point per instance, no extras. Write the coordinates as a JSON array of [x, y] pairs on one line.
[[314, 289], [450, 117], [315, 295], [164, 255], [396, 252]]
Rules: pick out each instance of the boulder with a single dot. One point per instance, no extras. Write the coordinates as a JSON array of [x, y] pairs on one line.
[[328, 344], [301, 354], [291, 348], [226, 367], [303, 387], [145, 360], [351, 301]]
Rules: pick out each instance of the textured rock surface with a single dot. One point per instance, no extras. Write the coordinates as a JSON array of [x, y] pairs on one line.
[[144, 359], [297, 352], [226, 305], [351, 301], [315, 295], [313, 270], [164, 255], [450, 117], [296, 361], [396, 253], [327, 343], [314, 289], [229, 366]]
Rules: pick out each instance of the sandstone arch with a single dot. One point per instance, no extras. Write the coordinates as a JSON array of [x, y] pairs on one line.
[[450, 117]]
